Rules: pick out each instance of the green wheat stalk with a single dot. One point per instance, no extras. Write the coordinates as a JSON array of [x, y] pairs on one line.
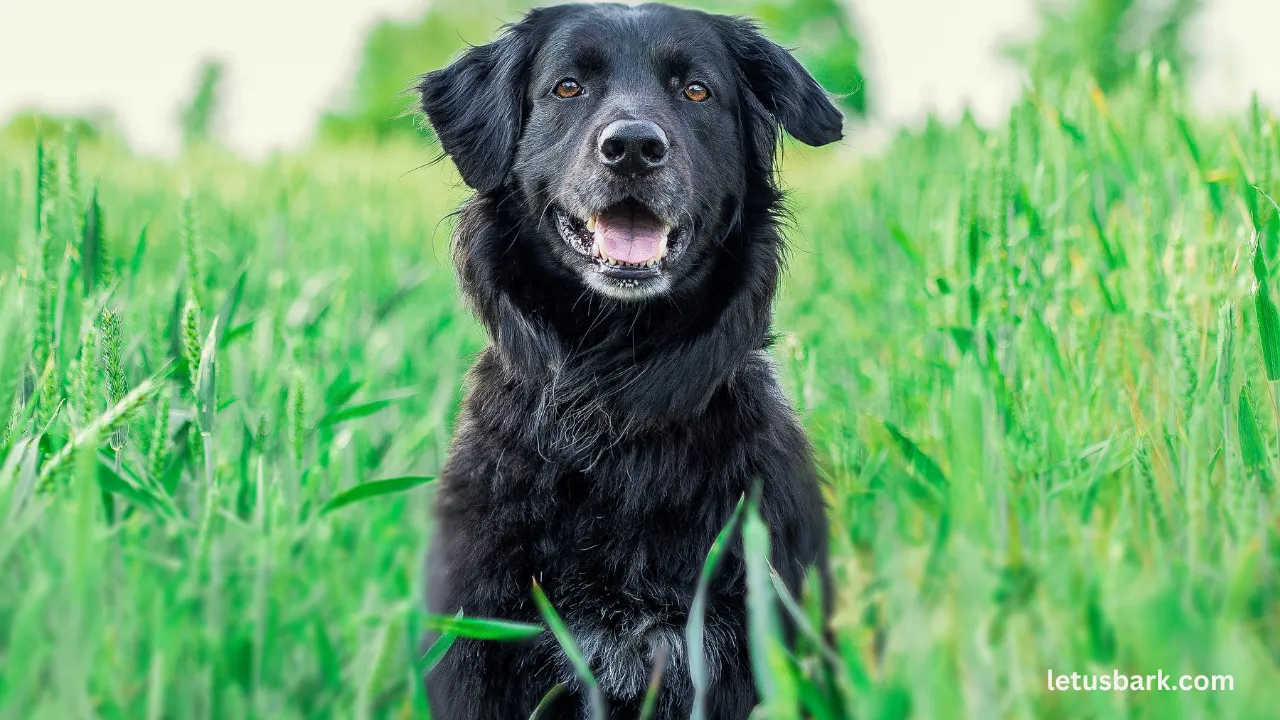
[[113, 371], [86, 372], [105, 423], [297, 415], [191, 345], [190, 236]]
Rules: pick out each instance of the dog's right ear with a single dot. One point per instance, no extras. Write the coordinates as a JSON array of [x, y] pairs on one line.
[[476, 106]]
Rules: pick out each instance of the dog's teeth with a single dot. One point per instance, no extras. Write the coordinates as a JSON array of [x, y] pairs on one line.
[[591, 224]]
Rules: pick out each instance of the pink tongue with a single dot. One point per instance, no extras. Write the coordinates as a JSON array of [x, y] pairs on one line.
[[630, 237]]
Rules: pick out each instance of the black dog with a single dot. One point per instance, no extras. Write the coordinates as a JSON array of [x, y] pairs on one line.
[[622, 251]]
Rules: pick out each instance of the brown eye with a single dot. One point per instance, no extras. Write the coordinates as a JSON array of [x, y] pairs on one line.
[[567, 88], [696, 92]]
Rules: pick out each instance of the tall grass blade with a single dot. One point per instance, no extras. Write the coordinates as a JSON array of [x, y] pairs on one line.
[[1226, 351], [545, 703], [91, 246], [139, 253], [769, 655], [570, 647], [655, 682], [226, 316], [1253, 451], [801, 620], [695, 628], [207, 382], [1268, 316]]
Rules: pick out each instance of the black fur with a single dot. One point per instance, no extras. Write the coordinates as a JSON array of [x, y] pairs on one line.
[[609, 430]]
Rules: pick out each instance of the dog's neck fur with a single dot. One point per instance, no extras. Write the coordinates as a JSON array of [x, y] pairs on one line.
[[610, 366]]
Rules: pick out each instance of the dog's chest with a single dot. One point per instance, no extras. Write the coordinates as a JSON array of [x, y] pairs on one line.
[[623, 574], [617, 540]]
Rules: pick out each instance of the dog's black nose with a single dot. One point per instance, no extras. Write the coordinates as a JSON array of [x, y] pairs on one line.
[[633, 146]]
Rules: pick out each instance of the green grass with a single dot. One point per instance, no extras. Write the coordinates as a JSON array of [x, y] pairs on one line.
[[1038, 364]]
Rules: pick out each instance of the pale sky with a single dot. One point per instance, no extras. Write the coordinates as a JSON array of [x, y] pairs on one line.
[[288, 60]]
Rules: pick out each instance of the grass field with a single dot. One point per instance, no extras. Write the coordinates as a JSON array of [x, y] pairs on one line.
[[1038, 362]]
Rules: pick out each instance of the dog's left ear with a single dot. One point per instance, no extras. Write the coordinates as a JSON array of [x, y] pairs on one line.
[[782, 85], [475, 106]]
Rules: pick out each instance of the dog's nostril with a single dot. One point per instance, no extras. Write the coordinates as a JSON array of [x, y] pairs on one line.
[[613, 148], [654, 151]]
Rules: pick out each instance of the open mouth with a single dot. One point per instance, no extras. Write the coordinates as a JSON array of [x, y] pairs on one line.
[[626, 241]]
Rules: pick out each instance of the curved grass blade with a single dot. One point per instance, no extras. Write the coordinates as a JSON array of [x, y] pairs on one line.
[[655, 682], [17, 516], [1268, 197], [801, 619], [342, 389], [694, 629], [1253, 449], [480, 629], [376, 488], [227, 312], [547, 699], [362, 410], [570, 647], [436, 652], [919, 462], [123, 483], [1268, 316], [238, 332], [207, 382], [139, 252]]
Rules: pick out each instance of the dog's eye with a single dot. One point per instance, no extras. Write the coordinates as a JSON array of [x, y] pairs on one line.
[[696, 92], [567, 88]]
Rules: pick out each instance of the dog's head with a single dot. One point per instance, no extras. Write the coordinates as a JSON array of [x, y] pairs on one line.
[[633, 136]]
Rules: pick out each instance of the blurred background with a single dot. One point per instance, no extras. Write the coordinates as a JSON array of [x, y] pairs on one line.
[[279, 74], [1028, 323]]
